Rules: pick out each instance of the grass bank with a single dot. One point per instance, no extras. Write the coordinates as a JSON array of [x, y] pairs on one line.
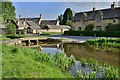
[[2, 37], [30, 63], [106, 43], [52, 33], [18, 62]]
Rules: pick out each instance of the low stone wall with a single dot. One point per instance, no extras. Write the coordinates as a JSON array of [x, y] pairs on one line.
[[12, 42], [52, 30]]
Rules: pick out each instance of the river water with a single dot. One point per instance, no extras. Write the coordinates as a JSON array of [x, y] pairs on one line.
[[83, 51]]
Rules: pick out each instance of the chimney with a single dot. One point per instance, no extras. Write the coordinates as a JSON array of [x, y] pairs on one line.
[[113, 5], [57, 23], [19, 17], [24, 20], [94, 8], [18, 20], [40, 19]]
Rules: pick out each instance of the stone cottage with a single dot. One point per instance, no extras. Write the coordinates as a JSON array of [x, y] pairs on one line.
[[99, 18], [25, 26], [38, 25]]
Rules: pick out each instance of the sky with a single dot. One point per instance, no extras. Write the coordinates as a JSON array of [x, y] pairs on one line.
[[50, 10]]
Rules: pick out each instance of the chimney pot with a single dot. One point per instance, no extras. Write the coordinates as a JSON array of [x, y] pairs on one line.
[[94, 8], [113, 5], [24, 20]]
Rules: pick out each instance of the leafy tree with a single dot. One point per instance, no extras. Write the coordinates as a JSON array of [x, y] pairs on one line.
[[8, 11], [113, 27], [11, 28], [68, 17], [60, 18], [1, 18], [89, 27], [7, 15]]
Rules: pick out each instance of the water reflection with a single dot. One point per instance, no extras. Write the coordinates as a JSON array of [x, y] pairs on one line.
[[81, 51], [52, 51], [85, 51]]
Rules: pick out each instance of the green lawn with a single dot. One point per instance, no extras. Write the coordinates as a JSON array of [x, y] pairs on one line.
[[3, 37], [52, 33], [27, 63]]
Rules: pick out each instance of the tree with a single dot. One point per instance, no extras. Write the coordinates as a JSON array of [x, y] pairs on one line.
[[67, 17], [1, 18], [8, 11], [60, 18], [11, 28], [89, 27], [7, 15]]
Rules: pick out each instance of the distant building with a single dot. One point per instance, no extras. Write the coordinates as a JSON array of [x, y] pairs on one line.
[[38, 25], [99, 18]]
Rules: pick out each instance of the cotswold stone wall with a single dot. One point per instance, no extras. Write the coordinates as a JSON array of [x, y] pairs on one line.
[[52, 30], [101, 23]]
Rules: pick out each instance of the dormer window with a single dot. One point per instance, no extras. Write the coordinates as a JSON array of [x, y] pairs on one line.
[[84, 17], [99, 16]]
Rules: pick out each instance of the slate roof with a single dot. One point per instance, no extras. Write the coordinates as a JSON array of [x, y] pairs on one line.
[[36, 20], [33, 25], [43, 22], [30, 24], [58, 27], [48, 22], [107, 14], [21, 23]]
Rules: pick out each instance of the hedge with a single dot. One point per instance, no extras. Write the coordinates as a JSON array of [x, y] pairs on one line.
[[11, 36], [93, 33]]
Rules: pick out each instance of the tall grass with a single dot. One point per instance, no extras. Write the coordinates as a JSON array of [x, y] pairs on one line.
[[110, 72], [105, 42], [30, 63]]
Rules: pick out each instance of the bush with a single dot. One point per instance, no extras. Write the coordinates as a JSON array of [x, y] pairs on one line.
[[12, 36], [113, 27], [93, 33], [89, 27]]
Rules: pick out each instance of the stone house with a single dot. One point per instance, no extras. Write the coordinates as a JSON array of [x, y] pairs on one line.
[[38, 25], [55, 28], [25, 26], [99, 18]]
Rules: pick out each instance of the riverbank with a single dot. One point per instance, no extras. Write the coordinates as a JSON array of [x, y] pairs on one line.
[[110, 44], [19, 62], [28, 63]]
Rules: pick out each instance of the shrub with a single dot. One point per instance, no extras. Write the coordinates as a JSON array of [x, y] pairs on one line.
[[113, 27], [93, 33], [89, 27], [12, 36]]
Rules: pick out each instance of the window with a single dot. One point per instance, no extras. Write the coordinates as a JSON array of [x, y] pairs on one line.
[[79, 28], [84, 17], [98, 28], [114, 21], [98, 19]]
